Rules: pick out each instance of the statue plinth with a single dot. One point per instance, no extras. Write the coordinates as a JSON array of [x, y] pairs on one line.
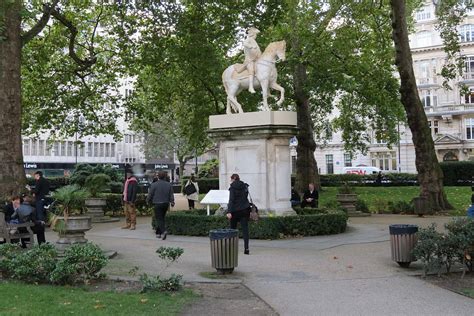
[[255, 145]]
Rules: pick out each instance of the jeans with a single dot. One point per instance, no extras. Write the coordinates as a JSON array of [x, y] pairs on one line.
[[40, 213], [242, 217], [160, 213]]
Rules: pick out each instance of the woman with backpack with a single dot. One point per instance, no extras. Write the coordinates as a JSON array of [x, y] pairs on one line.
[[191, 191], [239, 207]]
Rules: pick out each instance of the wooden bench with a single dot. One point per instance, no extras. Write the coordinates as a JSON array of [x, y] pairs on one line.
[[12, 231]]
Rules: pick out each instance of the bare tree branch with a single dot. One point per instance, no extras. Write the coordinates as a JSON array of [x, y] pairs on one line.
[[39, 26]]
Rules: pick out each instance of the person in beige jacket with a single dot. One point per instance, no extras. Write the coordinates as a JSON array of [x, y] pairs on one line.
[[191, 191]]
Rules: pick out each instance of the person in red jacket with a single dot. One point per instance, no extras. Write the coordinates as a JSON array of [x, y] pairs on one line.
[[130, 189]]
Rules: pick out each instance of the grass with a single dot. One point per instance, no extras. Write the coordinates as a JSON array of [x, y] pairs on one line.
[[378, 197], [469, 292], [26, 299]]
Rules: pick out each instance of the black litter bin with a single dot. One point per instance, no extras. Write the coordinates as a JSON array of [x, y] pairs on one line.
[[224, 249], [402, 241]]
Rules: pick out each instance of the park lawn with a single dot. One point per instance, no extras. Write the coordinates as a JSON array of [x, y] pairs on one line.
[[26, 299], [378, 197], [469, 292]]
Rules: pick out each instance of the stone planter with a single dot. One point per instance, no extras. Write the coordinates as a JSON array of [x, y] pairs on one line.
[[71, 231], [348, 202], [95, 209]]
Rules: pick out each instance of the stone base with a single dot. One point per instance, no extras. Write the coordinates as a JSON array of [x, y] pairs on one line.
[[255, 145], [105, 219]]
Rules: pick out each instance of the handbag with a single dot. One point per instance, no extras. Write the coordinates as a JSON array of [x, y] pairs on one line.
[[253, 210], [190, 189]]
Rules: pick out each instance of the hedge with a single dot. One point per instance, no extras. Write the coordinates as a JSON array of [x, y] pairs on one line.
[[192, 224], [458, 172], [205, 184], [114, 204]]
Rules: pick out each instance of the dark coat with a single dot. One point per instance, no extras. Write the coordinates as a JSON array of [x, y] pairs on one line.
[[41, 188], [8, 210], [314, 195], [132, 190], [160, 192], [238, 196]]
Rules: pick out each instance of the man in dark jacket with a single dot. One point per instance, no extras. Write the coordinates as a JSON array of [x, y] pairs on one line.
[[239, 208], [161, 195], [310, 197], [40, 191], [130, 189]]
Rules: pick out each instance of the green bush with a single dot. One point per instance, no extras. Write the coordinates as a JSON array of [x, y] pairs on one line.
[[34, 265], [96, 183], [458, 172], [329, 222], [310, 211], [114, 204], [361, 206], [81, 262], [400, 207], [209, 169]]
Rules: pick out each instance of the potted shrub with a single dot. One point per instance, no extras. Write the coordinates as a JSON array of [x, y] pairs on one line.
[[69, 222], [95, 184], [347, 198]]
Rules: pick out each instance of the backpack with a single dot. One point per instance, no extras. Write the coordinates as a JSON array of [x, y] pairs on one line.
[[190, 189]]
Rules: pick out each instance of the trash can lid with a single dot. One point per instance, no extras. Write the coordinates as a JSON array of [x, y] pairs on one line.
[[400, 229], [217, 234]]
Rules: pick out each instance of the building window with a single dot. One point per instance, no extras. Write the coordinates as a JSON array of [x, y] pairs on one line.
[[422, 39], [347, 160], [96, 149], [112, 150], [34, 147], [26, 147], [468, 67], [80, 149], [56, 149], [101, 149], [469, 97], [386, 161], [423, 14], [470, 128], [63, 149], [69, 148], [466, 33], [49, 147], [107, 150], [90, 151], [434, 127], [428, 98], [41, 145], [329, 164]]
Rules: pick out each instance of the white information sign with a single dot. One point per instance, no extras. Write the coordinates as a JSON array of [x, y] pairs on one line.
[[215, 197]]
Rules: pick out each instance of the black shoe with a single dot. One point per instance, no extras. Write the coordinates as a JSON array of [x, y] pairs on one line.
[[158, 235], [246, 252], [164, 236]]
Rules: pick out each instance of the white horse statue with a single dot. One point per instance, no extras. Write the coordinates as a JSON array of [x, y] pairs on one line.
[[265, 77]]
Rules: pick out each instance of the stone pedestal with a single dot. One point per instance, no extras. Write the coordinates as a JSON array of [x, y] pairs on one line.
[[95, 210], [255, 145]]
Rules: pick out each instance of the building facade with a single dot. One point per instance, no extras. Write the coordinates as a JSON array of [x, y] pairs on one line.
[[450, 112]]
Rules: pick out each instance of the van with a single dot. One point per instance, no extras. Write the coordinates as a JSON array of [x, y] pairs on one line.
[[362, 170]]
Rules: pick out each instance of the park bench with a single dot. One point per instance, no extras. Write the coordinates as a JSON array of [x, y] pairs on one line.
[[12, 231]]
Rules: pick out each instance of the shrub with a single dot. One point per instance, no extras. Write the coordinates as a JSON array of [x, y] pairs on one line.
[[157, 283], [81, 262], [361, 206], [330, 222], [71, 198], [33, 265], [457, 172], [96, 183], [399, 207], [209, 169], [310, 211]]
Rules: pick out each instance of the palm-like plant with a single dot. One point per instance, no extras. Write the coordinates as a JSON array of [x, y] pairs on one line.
[[70, 199]]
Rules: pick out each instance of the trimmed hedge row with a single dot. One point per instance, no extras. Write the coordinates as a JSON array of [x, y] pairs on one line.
[[458, 172], [114, 204], [205, 184], [191, 224]]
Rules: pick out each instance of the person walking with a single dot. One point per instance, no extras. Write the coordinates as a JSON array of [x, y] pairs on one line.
[[130, 189], [161, 195], [191, 191], [239, 208], [39, 192]]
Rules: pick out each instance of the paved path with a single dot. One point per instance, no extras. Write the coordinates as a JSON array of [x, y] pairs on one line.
[[349, 273]]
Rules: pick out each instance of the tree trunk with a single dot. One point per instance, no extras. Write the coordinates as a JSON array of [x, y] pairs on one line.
[[430, 175], [306, 167], [12, 173]]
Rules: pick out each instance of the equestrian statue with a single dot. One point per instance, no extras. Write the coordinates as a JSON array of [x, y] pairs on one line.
[[258, 70]]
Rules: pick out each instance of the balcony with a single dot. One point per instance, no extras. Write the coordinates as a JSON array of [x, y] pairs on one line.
[[427, 82], [455, 109], [467, 78]]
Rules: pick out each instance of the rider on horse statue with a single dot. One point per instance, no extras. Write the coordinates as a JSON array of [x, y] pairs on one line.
[[252, 53]]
